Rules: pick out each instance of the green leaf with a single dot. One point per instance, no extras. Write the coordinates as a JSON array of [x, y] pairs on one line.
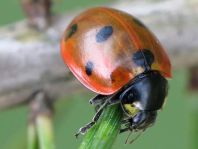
[[104, 133]]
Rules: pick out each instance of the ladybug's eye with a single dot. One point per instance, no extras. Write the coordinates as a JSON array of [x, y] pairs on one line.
[[104, 33]]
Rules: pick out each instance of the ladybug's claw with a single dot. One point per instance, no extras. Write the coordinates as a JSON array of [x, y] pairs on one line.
[[77, 134], [84, 129]]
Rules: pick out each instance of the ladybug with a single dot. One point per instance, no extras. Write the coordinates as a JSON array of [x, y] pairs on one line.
[[115, 55]]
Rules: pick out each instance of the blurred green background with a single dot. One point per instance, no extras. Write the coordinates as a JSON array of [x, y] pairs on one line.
[[175, 127]]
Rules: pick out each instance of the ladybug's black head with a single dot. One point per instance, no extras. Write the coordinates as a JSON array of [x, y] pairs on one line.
[[147, 94]]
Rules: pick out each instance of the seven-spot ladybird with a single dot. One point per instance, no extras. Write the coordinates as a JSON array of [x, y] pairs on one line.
[[115, 55]]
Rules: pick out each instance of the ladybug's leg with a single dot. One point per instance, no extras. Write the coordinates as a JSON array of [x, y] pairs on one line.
[[127, 125], [101, 99], [124, 129], [84, 129], [98, 99]]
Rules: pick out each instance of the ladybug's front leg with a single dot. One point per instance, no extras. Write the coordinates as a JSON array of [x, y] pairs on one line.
[[127, 124]]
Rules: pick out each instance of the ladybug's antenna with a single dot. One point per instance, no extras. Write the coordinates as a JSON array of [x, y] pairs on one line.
[[126, 142], [134, 139], [139, 134]]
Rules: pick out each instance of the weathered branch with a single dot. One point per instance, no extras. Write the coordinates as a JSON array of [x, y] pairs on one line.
[[30, 60]]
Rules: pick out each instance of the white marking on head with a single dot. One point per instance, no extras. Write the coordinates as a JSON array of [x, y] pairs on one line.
[[138, 105]]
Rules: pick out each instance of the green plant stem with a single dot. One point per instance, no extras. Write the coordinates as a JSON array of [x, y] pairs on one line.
[[32, 137], [195, 127], [104, 133], [45, 132]]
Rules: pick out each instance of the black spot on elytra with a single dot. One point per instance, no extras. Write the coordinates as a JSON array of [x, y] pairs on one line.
[[139, 23], [104, 33], [89, 68], [143, 58], [71, 30]]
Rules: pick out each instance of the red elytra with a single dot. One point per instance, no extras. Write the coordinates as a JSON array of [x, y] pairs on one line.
[[98, 46]]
